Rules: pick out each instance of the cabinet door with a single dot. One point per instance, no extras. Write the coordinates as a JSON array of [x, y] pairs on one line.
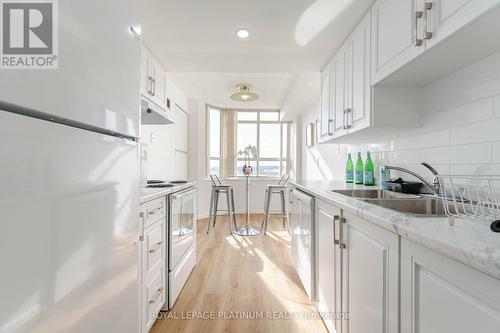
[[448, 16], [359, 94], [441, 295], [341, 84], [328, 264], [144, 72], [325, 101], [395, 31], [160, 87], [371, 275]]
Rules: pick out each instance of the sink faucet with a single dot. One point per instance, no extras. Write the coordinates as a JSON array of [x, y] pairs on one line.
[[435, 186]]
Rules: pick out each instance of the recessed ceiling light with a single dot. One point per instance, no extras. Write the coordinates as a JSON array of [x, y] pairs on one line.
[[136, 31], [243, 33]]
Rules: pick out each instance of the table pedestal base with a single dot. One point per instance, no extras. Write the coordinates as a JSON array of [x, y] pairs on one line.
[[247, 230]]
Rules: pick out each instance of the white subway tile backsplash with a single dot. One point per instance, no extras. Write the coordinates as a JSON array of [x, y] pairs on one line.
[[477, 132], [433, 156], [496, 152], [475, 169], [471, 154], [425, 140], [460, 132], [401, 157], [497, 106], [465, 114]]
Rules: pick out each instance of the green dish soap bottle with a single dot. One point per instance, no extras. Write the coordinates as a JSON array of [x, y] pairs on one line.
[[369, 173], [349, 170], [359, 170]]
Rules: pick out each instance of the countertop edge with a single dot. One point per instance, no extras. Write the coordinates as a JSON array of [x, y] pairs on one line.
[[456, 242], [161, 192]]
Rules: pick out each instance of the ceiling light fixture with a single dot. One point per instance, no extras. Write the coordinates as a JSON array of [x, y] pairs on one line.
[[244, 93], [243, 33]]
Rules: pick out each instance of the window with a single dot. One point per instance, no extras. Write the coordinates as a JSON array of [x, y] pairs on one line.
[[214, 149], [260, 129]]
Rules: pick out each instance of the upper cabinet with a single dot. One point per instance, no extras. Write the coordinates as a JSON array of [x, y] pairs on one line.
[[326, 119], [345, 86], [444, 17], [404, 30], [348, 104], [396, 35], [153, 79], [397, 48]]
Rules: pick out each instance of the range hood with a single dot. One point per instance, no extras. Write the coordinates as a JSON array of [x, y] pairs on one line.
[[152, 114]]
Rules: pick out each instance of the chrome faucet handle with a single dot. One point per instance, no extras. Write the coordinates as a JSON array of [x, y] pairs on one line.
[[427, 165]]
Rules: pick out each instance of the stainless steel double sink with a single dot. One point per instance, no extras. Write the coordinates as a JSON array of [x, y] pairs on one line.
[[414, 205]]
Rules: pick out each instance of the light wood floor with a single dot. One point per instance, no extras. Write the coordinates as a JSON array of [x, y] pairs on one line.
[[237, 276]]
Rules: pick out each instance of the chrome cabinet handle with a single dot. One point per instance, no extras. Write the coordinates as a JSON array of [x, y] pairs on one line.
[[427, 7], [156, 296], [336, 218], [154, 87], [347, 125], [342, 244], [343, 120], [153, 211], [157, 246], [150, 85], [418, 15]]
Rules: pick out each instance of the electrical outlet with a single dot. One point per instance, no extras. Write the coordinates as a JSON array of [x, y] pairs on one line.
[[151, 138]]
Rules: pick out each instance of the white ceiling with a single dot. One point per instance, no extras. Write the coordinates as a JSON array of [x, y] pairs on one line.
[[287, 36], [216, 88]]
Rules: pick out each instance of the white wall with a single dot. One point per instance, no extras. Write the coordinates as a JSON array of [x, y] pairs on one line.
[[460, 132], [164, 162]]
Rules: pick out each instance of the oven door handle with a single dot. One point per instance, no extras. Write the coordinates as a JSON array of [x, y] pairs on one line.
[[181, 194]]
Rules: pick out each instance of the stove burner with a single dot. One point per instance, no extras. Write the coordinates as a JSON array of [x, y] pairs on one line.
[[178, 182], [155, 181], [160, 185]]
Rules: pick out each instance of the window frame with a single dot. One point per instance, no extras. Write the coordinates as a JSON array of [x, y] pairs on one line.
[[258, 159], [233, 162], [209, 158]]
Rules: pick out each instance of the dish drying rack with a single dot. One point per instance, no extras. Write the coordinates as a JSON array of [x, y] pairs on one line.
[[471, 197]]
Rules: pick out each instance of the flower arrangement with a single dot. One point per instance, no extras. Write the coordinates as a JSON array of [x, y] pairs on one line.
[[247, 151]]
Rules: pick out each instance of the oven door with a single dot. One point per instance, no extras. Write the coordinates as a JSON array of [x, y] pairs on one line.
[[182, 229]]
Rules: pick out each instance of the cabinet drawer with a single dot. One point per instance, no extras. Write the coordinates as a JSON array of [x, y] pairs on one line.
[[154, 210], [153, 298], [154, 247]]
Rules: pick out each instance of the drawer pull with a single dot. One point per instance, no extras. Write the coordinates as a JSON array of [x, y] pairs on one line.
[[153, 211], [157, 246], [156, 296]]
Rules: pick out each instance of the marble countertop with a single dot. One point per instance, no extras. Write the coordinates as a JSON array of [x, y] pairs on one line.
[[148, 194], [470, 242]]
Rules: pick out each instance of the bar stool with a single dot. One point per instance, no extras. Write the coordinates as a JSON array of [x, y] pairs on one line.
[[271, 189], [217, 189]]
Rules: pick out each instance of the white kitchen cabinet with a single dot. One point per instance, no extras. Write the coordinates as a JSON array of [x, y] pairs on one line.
[[357, 273], [396, 35], [444, 17], [153, 79], [153, 254], [441, 295], [358, 111], [326, 118], [340, 89], [370, 277], [328, 264]]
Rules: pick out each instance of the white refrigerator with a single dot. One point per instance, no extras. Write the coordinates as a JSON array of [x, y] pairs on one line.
[[69, 180]]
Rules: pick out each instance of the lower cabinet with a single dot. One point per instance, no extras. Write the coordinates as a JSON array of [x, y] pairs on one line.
[[328, 265], [441, 295], [153, 270], [370, 277], [357, 271]]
